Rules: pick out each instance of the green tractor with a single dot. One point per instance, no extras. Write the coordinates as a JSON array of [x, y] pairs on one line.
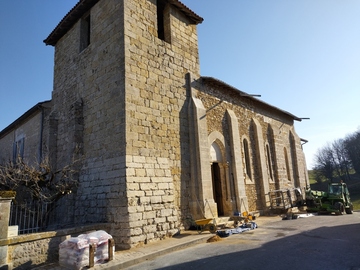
[[335, 200]]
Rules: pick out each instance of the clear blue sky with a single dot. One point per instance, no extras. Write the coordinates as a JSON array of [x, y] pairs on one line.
[[302, 56]]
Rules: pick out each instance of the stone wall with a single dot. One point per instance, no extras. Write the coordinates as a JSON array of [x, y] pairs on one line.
[[31, 250], [89, 110], [134, 139], [276, 130], [157, 123]]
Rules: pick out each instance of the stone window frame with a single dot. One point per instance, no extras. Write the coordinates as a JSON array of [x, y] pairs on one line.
[[247, 160]]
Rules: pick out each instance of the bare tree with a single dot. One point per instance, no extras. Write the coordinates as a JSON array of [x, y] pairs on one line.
[[352, 146], [38, 182], [340, 159], [324, 163]]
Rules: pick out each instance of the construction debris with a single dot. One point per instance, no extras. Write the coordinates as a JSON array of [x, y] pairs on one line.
[[214, 238], [243, 228]]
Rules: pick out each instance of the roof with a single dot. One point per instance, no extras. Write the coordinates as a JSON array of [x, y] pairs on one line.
[[196, 19], [24, 117], [83, 6], [218, 83]]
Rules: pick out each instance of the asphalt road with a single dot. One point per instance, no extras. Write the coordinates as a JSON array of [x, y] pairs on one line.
[[311, 243]]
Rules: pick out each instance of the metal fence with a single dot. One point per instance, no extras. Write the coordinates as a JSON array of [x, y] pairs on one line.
[[31, 217]]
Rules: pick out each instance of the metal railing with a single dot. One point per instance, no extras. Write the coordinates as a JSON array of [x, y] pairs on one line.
[[30, 217]]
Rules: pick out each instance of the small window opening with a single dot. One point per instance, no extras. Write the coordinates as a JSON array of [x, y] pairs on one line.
[[160, 19], [163, 21], [85, 33]]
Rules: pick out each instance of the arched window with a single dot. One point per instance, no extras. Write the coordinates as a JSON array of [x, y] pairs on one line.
[[287, 165], [247, 158], [269, 162]]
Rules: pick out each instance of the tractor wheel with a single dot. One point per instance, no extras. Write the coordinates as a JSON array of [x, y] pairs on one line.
[[339, 206], [349, 210]]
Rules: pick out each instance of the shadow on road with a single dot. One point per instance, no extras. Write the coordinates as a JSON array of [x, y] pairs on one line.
[[333, 248]]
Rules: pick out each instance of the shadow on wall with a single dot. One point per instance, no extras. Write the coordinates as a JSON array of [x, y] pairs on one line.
[[185, 143]]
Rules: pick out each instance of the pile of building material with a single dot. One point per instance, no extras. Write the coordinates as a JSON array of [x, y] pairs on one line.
[[85, 250]]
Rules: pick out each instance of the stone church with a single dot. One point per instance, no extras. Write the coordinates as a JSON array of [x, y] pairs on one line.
[[157, 141]]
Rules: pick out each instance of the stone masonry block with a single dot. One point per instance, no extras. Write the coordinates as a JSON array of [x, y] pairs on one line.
[[166, 212], [163, 186], [161, 180], [135, 193], [158, 192], [133, 186], [159, 172], [160, 220], [133, 217], [137, 239], [139, 159], [149, 215], [149, 229], [139, 179], [156, 199], [172, 219], [167, 199], [149, 186], [140, 172], [150, 237], [145, 200], [163, 161], [150, 172], [136, 231], [137, 223]]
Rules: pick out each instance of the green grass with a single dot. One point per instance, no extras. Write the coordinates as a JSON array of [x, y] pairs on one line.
[[353, 185], [311, 177]]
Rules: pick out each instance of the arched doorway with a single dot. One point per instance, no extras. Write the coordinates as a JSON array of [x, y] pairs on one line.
[[217, 188], [217, 177]]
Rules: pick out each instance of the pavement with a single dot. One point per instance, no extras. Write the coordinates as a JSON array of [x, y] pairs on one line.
[[126, 258]]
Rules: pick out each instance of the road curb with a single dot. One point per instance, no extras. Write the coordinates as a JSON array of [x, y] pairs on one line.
[[115, 265]]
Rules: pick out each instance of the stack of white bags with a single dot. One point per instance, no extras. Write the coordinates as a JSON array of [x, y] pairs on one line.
[[74, 252]]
